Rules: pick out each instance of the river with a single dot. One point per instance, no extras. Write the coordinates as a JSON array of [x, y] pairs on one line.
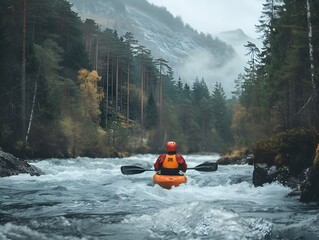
[[86, 198]]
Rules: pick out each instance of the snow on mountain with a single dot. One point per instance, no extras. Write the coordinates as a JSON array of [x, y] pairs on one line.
[[190, 54]]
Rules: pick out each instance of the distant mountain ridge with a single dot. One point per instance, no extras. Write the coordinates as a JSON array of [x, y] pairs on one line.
[[237, 39], [189, 53]]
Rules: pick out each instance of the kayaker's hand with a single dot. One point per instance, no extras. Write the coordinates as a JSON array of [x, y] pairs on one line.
[[181, 172]]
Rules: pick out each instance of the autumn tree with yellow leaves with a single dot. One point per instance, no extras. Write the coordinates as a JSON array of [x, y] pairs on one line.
[[92, 95], [85, 120]]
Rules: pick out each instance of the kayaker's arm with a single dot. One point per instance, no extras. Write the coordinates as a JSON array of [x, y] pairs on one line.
[[181, 162], [159, 162]]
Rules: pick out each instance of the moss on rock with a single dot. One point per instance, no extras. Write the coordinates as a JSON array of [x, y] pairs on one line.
[[293, 148]]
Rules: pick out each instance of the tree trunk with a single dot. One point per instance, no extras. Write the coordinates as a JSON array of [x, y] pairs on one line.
[[96, 52], [161, 99], [32, 110], [117, 85], [310, 47], [142, 99], [23, 73], [107, 87], [312, 68], [128, 95]]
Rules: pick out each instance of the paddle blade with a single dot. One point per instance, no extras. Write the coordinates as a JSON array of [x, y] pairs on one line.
[[130, 170], [207, 167]]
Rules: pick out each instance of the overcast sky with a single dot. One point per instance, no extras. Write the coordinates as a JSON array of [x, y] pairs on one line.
[[214, 16]]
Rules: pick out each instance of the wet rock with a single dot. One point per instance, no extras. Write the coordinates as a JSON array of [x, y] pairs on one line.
[[10, 165], [310, 186], [260, 175], [267, 174], [242, 156]]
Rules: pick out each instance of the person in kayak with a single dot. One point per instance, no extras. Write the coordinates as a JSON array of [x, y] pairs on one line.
[[170, 163]]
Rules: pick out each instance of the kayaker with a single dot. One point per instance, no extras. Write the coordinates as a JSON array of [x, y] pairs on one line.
[[170, 163]]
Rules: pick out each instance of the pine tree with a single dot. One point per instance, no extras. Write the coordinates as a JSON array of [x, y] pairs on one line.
[[221, 116], [151, 114], [131, 44]]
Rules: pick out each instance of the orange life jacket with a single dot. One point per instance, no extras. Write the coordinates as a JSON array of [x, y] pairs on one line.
[[170, 161]]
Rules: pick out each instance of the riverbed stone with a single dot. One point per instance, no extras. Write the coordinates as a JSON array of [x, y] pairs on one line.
[[10, 165]]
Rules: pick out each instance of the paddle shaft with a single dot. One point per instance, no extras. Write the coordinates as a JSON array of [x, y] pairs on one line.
[[204, 167]]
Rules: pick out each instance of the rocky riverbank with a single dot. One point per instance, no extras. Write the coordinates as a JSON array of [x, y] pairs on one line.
[[238, 156], [291, 158], [10, 165]]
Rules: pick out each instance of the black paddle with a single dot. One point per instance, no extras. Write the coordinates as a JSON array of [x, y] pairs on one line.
[[130, 170], [204, 167]]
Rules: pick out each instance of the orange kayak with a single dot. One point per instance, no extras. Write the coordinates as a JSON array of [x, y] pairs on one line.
[[168, 181]]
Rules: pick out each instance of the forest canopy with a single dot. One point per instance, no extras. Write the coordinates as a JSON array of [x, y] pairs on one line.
[[70, 88]]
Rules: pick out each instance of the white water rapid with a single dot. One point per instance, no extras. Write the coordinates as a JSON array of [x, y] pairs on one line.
[[86, 198]]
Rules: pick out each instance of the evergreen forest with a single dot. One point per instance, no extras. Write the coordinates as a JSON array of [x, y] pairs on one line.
[[69, 88]]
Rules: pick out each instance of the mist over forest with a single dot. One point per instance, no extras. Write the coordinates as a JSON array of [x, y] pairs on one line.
[[190, 53]]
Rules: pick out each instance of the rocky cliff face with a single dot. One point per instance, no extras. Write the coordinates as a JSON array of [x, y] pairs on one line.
[[10, 165]]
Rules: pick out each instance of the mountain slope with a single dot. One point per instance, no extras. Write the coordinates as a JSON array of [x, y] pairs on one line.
[[190, 54], [237, 39]]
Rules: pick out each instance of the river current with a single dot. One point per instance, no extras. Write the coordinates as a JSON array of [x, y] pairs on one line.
[[85, 198]]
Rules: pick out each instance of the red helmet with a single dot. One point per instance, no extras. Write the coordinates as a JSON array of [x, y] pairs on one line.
[[171, 146]]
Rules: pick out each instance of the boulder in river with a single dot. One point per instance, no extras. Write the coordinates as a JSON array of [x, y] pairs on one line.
[[10, 165]]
